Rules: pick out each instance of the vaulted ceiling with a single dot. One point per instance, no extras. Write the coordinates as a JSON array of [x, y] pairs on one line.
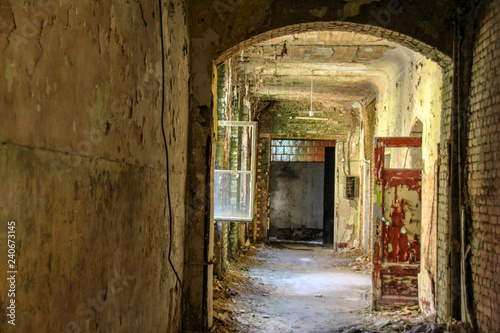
[[340, 68]]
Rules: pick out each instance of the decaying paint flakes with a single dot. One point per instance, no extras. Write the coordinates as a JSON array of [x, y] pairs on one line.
[[396, 255], [397, 245]]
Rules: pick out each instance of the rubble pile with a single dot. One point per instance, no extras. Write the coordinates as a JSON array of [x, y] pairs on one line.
[[222, 306]]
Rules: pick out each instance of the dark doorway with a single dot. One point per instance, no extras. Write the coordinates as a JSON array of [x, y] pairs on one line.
[[297, 190], [329, 196], [297, 201]]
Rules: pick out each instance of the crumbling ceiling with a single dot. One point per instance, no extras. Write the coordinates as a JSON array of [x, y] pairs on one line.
[[342, 67]]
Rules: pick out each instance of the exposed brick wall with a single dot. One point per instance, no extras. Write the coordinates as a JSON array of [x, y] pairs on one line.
[[442, 283], [262, 193], [484, 169]]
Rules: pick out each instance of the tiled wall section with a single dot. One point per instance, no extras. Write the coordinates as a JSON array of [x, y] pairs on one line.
[[284, 150]]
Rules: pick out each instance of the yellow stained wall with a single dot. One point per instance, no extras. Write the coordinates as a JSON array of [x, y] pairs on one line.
[[415, 94], [83, 168]]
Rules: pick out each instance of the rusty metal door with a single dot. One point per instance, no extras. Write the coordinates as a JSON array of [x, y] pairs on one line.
[[397, 220]]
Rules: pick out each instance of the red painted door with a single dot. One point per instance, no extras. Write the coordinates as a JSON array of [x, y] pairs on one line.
[[397, 220]]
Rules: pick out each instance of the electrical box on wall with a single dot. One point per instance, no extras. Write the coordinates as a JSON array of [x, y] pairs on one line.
[[351, 187]]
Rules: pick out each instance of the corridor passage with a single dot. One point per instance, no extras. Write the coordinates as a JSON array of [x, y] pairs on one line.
[[299, 288]]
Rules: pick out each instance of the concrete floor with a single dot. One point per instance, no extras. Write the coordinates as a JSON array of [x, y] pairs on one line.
[[303, 289]]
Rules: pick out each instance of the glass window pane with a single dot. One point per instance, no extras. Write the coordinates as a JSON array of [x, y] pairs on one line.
[[234, 148], [232, 194], [234, 171]]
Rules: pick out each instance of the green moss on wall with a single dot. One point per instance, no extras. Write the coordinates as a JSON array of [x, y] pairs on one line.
[[265, 155], [277, 121], [221, 91]]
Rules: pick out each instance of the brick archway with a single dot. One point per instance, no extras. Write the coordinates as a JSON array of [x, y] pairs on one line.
[[396, 37]]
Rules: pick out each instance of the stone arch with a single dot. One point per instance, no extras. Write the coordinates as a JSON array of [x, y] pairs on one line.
[[413, 44]]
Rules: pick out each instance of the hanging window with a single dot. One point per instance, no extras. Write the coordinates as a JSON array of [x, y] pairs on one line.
[[234, 175]]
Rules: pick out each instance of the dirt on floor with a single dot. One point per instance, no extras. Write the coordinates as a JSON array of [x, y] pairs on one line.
[[290, 288], [293, 287]]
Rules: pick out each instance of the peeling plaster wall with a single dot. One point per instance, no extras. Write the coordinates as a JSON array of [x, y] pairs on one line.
[[348, 212], [415, 94], [368, 136], [82, 163]]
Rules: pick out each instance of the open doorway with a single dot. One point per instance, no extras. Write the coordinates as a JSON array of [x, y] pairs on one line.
[[302, 190]]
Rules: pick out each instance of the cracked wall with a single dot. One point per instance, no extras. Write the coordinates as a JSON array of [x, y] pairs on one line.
[[82, 162]]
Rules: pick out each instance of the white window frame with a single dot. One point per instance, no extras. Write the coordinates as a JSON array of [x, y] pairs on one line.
[[252, 172]]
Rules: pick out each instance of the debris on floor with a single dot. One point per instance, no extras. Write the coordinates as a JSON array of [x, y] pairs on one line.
[[406, 320], [348, 252], [225, 310], [246, 300], [362, 263]]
